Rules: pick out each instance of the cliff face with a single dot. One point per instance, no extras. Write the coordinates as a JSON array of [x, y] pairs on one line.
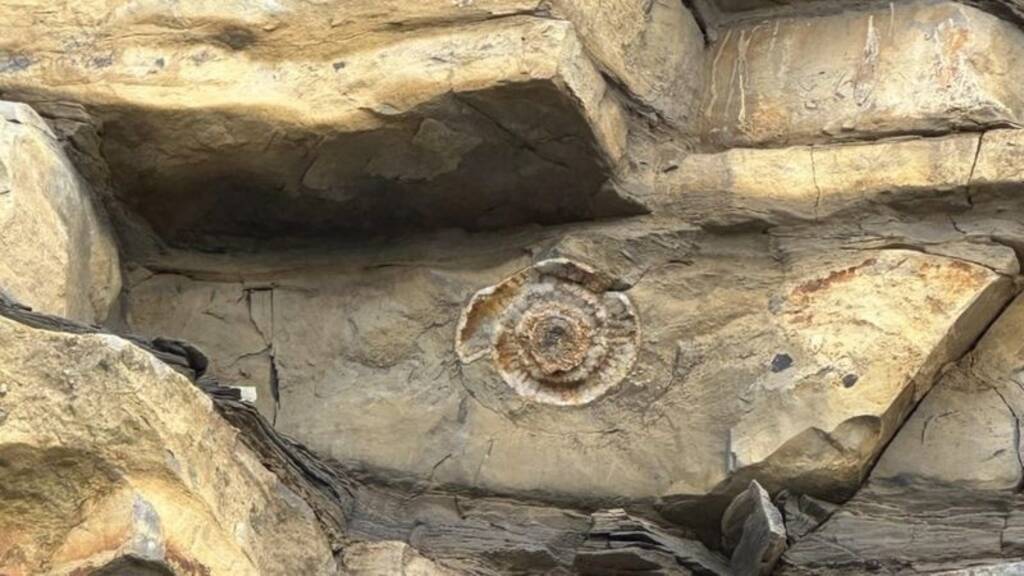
[[508, 287]]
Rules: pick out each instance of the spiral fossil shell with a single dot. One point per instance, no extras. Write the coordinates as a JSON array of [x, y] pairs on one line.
[[554, 331]]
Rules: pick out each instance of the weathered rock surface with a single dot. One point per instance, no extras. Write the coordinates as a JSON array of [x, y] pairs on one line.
[[833, 209], [966, 431], [826, 348], [111, 460], [390, 558], [315, 119], [892, 69], [59, 254], [802, 514], [753, 530], [375, 526], [619, 544], [920, 528]]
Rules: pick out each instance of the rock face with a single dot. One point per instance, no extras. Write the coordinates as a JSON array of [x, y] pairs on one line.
[[504, 287], [967, 430], [313, 119], [912, 529], [828, 353], [902, 68], [109, 460], [59, 253]]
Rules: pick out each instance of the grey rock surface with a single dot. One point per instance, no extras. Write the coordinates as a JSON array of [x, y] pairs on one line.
[[753, 530]]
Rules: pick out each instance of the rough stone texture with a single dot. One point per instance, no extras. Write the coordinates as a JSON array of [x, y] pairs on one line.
[[921, 528], [753, 530], [619, 543], [375, 526], [108, 456], [898, 68], [833, 197], [967, 430], [827, 353], [802, 514], [389, 558], [657, 54], [58, 252], [816, 182], [315, 119]]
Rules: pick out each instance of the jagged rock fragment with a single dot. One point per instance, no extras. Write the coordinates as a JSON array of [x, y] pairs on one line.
[[622, 544], [753, 530], [802, 514]]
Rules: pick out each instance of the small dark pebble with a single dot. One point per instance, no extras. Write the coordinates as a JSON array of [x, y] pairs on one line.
[[781, 362], [850, 379]]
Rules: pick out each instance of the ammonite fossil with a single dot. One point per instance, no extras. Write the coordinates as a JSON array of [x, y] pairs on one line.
[[555, 332]]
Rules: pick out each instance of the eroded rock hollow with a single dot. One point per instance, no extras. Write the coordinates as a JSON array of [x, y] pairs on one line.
[[489, 287]]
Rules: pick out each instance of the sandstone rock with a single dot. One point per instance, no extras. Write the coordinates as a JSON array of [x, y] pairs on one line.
[[826, 354], [920, 528], [1013, 8], [58, 252], [112, 461], [902, 68], [802, 514], [654, 49], [621, 544], [1007, 569], [753, 530], [390, 559], [816, 182], [312, 119], [967, 430], [998, 164]]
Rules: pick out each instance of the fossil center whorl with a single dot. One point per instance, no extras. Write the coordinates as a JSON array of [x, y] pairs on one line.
[[556, 337], [555, 332]]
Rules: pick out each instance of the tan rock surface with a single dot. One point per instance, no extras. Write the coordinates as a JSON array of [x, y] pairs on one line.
[[109, 458], [967, 430], [309, 118], [797, 373], [390, 558], [899, 68], [59, 255]]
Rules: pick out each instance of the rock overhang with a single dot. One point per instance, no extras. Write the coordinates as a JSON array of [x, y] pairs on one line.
[[499, 121], [288, 118]]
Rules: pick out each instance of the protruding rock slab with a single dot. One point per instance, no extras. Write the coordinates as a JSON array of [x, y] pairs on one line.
[[58, 254], [111, 460], [753, 530], [967, 430], [889, 69], [621, 544], [784, 359], [238, 122], [816, 182], [910, 529]]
